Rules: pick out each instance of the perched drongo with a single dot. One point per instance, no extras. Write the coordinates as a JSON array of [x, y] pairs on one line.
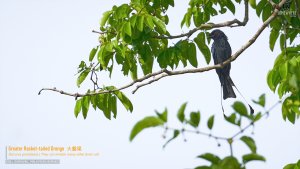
[[221, 51]]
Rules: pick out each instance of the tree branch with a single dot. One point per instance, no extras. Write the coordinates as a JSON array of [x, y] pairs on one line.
[[231, 59], [166, 73], [212, 25]]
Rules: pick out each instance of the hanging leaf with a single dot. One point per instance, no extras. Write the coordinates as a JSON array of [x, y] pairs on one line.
[[194, 119], [77, 108], [252, 157], [180, 114], [200, 41], [240, 108], [163, 116], [85, 103], [143, 124], [210, 122], [261, 100], [273, 38], [252, 3], [93, 53], [249, 142], [82, 76], [105, 18], [210, 157], [192, 55], [175, 134]]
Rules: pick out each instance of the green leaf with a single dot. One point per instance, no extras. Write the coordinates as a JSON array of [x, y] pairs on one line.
[[149, 22], [231, 6], [140, 23], [160, 24], [175, 134], [293, 165], [105, 55], [260, 6], [240, 108], [106, 106], [210, 157], [124, 100], [283, 70], [249, 142], [188, 19], [93, 53], [270, 80], [180, 114], [133, 20], [200, 41], [273, 38], [163, 116], [122, 97], [183, 21], [282, 42], [194, 119], [143, 124], [85, 104], [233, 119], [77, 108], [192, 55], [252, 157], [127, 28], [252, 3], [94, 101], [203, 167], [290, 166], [113, 102], [267, 11], [229, 163], [82, 76], [122, 11], [261, 100], [210, 122], [105, 17], [257, 117]]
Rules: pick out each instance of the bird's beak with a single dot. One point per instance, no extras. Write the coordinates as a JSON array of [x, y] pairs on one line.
[[210, 36]]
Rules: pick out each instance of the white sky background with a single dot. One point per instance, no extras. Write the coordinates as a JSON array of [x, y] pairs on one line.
[[42, 43]]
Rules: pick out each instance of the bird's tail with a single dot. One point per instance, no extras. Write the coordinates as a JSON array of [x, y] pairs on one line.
[[227, 88]]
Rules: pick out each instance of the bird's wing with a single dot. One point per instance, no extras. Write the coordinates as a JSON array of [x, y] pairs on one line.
[[219, 52], [228, 51], [216, 53]]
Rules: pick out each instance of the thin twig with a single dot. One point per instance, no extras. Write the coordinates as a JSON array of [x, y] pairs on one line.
[[149, 82], [199, 132], [94, 31], [231, 150]]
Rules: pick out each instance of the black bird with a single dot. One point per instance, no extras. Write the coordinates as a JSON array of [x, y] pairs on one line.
[[221, 51]]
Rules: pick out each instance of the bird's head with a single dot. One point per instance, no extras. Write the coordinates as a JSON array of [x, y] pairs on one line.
[[217, 34]]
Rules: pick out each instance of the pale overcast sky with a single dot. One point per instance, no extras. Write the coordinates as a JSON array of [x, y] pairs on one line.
[[41, 44]]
